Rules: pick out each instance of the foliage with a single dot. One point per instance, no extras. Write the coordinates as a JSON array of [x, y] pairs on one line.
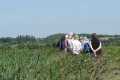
[[53, 39], [30, 58], [52, 64]]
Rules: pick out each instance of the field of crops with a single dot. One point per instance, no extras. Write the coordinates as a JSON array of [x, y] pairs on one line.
[[53, 64]]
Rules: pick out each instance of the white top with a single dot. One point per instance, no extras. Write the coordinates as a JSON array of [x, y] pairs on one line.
[[69, 43], [76, 46]]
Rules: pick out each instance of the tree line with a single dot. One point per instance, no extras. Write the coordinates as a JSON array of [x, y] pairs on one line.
[[53, 39], [18, 40]]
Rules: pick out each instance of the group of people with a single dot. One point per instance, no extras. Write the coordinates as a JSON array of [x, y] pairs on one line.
[[74, 44]]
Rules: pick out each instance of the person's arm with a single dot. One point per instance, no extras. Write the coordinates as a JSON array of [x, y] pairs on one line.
[[98, 47], [66, 43], [80, 46], [95, 55], [91, 47], [72, 45]]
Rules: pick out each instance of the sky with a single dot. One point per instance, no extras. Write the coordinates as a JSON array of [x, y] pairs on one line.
[[42, 18]]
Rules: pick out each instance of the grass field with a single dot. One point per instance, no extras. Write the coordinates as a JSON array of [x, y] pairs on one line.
[[53, 64]]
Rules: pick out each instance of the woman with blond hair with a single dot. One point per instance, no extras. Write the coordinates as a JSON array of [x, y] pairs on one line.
[[76, 45]]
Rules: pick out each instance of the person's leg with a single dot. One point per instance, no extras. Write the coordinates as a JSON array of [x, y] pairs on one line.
[[65, 50], [99, 52]]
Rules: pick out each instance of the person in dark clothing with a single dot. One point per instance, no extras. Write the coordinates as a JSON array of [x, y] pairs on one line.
[[95, 45]]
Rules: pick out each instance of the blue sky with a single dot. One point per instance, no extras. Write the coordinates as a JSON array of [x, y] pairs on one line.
[[45, 17]]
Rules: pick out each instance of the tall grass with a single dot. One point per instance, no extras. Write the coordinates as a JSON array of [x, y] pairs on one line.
[[53, 64]]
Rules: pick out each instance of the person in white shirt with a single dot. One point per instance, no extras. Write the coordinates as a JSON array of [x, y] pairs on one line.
[[66, 49], [69, 40], [76, 45]]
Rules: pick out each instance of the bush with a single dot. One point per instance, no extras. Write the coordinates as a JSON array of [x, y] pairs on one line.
[[5, 47], [33, 46], [21, 46]]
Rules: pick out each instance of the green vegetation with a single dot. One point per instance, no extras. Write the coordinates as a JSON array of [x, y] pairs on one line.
[[53, 64], [30, 58], [53, 39]]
